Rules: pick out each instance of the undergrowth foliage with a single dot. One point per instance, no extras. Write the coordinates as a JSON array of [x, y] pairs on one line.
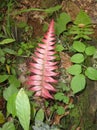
[[44, 66], [18, 106]]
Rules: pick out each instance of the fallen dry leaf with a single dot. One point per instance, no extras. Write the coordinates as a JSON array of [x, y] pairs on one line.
[[65, 60]]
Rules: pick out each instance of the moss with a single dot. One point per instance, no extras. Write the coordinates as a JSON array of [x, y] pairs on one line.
[[81, 113]]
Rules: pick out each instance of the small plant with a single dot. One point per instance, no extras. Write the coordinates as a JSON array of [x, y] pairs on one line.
[[79, 69], [25, 49], [7, 56], [81, 51], [82, 26]]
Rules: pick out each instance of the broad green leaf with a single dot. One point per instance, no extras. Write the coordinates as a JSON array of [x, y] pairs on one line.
[[2, 118], [60, 110], [13, 71], [59, 48], [9, 51], [75, 69], [59, 96], [78, 83], [8, 92], [20, 51], [7, 41], [77, 58], [91, 73], [87, 32], [3, 78], [63, 86], [23, 109], [86, 37], [62, 22], [8, 126], [14, 81], [39, 115], [90, 50], [1, 52], [2, 60], [95, 55], [79, 46], [11, 107], [66, 99], [82, 18]]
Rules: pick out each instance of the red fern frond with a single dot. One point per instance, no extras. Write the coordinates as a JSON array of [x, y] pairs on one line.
[[44, 66]]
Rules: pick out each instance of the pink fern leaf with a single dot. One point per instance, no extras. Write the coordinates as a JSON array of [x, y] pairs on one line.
[[44, 66]]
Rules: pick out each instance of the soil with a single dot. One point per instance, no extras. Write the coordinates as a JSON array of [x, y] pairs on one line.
[[35, 19]]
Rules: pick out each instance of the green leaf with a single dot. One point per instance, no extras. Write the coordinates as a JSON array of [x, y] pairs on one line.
[[66, 99], [9, 51], [79, 46], [40, 115], [95, 55], [59, 96], [2, 56], [2, 118], [49, 10], [23, 109], [2, 60], [20, 51], [8, 92], [78, 83], [86, 37], [8, 126], [1, 52], [75, 69], [82, 18], [14, 81], [3, 78], [91, 73], [77, 58], [62, 22], [53, 9], [7, 41], [60, 110], [70, 106], [33, 111], [90, 50], [11, 107], [63, 86], [59, 48]]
